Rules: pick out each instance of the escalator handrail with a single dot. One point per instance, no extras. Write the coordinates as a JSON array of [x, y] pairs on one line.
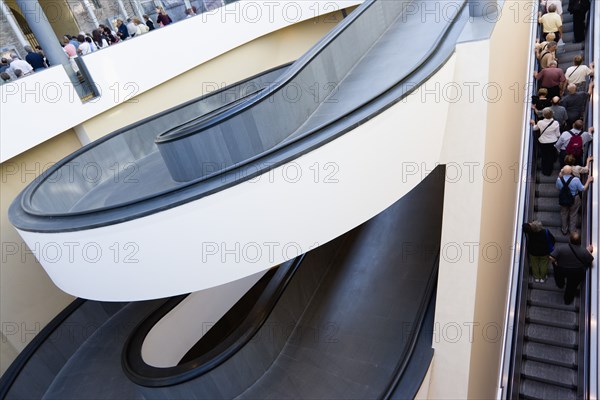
[[592, 204], [16, 367], [518, 256], [279, 84], [400, 369], [138, 371]]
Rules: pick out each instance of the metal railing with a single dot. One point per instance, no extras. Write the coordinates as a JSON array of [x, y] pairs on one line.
[[592, 214]]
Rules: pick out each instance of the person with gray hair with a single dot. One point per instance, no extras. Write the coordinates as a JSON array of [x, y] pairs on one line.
[[551, 78], [35, 59], [21, 65], [574, 102], [560, 113], [569, 213], [540, 243], [548, 55], [550, 132]]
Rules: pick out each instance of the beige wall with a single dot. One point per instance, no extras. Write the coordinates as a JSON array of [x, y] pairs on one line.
[[483, 137], [29, 300], [504, 130], [254, 57]]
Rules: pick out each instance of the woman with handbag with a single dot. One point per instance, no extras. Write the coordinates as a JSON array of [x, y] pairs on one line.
[[550, 132], [540, 243]]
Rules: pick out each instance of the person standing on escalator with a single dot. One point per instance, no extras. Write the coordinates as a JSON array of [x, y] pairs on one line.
[[540, 243], [550, 132], [579, 8], [570, 263], [569, 199]]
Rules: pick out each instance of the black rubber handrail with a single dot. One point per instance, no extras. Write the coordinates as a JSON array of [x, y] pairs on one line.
[[405, 358], [144, 374], [16, 367], [587, 286], [283, 80]]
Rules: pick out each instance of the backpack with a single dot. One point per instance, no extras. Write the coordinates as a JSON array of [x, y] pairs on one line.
[[565, 198], [575, 146]]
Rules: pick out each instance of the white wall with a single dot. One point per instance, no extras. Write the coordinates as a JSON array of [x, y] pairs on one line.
[[178, 331], [257, 224], [41, 106]]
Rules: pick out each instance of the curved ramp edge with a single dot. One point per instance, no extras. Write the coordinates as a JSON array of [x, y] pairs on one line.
[[339, 329]]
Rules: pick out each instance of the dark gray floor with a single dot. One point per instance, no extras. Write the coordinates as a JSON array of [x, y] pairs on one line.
[[339, 330]]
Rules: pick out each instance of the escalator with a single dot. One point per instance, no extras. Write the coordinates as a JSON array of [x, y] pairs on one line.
[[550, 353], [355, 314]]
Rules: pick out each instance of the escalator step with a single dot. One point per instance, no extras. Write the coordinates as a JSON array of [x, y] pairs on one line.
[[540, 391], [548, 285], [539, 165], [551, 335], [549, 298], [547, 204], [551, 374], [560, 238], [546, 190], [568, 37], [552, 317], [574, 47], [550, 354], [566, 17], [567, 26], [541, 178], [548, 218]]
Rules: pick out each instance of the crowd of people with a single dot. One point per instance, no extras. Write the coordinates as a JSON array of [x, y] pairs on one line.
[[559, 114], [14, 67]]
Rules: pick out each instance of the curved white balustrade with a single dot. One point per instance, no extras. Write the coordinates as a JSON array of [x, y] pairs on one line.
[[252, 226]]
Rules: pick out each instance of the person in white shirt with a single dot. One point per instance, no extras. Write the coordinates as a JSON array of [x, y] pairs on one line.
[[142, 28], [132, 28], [84, 47], [23, 65], [577, 73], [550, 132]]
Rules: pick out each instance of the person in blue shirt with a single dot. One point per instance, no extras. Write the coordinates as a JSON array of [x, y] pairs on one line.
[[35, 59], [568, 215]]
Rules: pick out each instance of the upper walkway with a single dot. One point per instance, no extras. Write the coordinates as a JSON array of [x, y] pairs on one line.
[[45, 104]]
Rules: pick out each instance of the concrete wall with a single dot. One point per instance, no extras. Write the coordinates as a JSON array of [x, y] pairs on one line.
[[481, 149], [7, 38], [502, 148], [109, 9]]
